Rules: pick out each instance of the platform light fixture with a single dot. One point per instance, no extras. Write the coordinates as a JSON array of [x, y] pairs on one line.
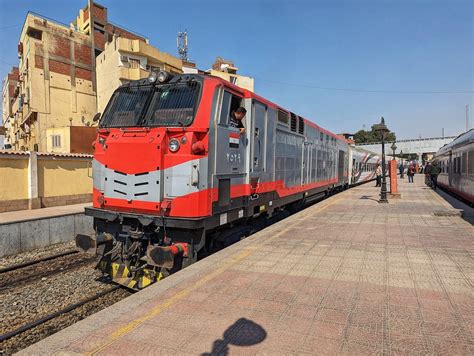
[[394, 149]]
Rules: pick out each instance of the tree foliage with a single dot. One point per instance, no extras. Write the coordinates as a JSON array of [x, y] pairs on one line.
[[363, 136]]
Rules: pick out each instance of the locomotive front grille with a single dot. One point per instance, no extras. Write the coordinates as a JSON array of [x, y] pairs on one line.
[[143, 186]]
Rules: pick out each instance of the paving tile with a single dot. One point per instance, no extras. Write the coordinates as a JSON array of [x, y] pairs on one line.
[[400, 283]]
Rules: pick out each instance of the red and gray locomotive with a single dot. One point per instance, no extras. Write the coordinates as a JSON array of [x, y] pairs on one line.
[[170, 174]]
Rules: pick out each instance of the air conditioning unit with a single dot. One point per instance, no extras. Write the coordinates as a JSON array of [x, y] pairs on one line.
[[25, 72]]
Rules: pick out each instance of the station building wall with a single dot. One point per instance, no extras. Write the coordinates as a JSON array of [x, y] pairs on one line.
[[32, 180]]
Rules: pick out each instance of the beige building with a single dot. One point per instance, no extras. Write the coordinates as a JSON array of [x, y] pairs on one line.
[[124, 60], [57, 85], [225, 69]]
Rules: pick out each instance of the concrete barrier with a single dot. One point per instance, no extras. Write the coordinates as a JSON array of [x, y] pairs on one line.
[[27, 235]]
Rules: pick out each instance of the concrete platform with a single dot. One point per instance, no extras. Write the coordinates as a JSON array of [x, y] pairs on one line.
[[26, 230], [346, 276]]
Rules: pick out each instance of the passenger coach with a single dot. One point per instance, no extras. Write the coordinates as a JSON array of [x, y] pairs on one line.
[[457, 166]]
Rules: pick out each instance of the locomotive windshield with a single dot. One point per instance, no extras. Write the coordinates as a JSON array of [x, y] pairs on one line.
[[171, 104]]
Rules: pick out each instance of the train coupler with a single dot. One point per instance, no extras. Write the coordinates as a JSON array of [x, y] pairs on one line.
[[163, 256]]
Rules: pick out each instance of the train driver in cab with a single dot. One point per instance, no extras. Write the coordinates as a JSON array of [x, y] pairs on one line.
[[236, 118]]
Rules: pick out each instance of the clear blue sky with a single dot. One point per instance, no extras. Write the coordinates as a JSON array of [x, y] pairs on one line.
[[295, 49]]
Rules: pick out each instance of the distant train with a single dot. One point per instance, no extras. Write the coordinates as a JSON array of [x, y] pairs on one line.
[[171, 175], [457, 166]]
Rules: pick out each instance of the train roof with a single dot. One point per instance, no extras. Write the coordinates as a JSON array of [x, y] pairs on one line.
[[463, 139], [244, 92], [363, 150]]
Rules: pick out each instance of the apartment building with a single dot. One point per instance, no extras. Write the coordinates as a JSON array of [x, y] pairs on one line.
[[126, 59], [56, 83]]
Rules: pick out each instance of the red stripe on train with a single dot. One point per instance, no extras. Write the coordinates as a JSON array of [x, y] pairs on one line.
[[199, 204]]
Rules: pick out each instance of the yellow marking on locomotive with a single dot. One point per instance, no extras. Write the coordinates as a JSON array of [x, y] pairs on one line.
[[233, 260], [120, 275]]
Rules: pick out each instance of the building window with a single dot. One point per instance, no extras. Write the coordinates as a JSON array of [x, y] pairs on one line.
[[134, 63], [151, 68], [56, 141], [34, 33]]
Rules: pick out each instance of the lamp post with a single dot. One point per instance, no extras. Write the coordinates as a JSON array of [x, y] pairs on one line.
[[394, 148], [401, 162], [382, 130]]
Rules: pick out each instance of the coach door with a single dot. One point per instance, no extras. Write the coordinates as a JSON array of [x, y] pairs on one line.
[[229, 169], [258, 137], [306, 168], [340, 167]]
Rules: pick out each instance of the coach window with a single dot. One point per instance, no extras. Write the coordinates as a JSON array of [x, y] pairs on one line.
[[230, 103], [470, 162], [464, 163]]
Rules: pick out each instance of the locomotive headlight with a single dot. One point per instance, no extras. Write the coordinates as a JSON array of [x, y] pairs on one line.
[[164, 76], [173, 145], [152, 77]]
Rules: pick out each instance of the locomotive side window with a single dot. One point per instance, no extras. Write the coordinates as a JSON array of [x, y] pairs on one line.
[[230, 103]]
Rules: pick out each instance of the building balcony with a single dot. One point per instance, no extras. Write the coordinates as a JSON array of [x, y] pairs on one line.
[[133, 73]]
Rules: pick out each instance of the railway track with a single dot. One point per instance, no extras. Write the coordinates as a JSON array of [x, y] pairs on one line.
[[39, 260], [18, 274], [44, 319]]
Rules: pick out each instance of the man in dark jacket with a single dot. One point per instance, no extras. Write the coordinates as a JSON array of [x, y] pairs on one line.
[[427, 174], [434, 171], [401, 169]]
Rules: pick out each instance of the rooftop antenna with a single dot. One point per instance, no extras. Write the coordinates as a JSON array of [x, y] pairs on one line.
[[182, 44]]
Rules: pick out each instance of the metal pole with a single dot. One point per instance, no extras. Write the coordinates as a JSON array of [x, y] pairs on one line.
[[467, 118], [383, 189]]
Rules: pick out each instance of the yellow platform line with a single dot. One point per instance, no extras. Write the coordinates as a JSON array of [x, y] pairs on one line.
[[132, 325]]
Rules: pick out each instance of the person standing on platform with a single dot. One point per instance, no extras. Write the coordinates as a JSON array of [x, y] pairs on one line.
[[411, 172], [378, 175], [434, 171], [427, 174], [401, 169]]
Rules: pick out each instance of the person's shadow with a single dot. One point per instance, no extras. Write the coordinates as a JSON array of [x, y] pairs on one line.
[[243, 332]]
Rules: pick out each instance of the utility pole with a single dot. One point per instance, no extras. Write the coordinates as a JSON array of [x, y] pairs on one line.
[[442, 132], [467, 117]]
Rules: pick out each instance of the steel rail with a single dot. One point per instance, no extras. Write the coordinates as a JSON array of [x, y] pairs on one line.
[[48, 317], [30, 263]]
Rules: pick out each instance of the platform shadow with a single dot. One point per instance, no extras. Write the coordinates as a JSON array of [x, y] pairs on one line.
[[367, 197], [467, 211], [243, 332]]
